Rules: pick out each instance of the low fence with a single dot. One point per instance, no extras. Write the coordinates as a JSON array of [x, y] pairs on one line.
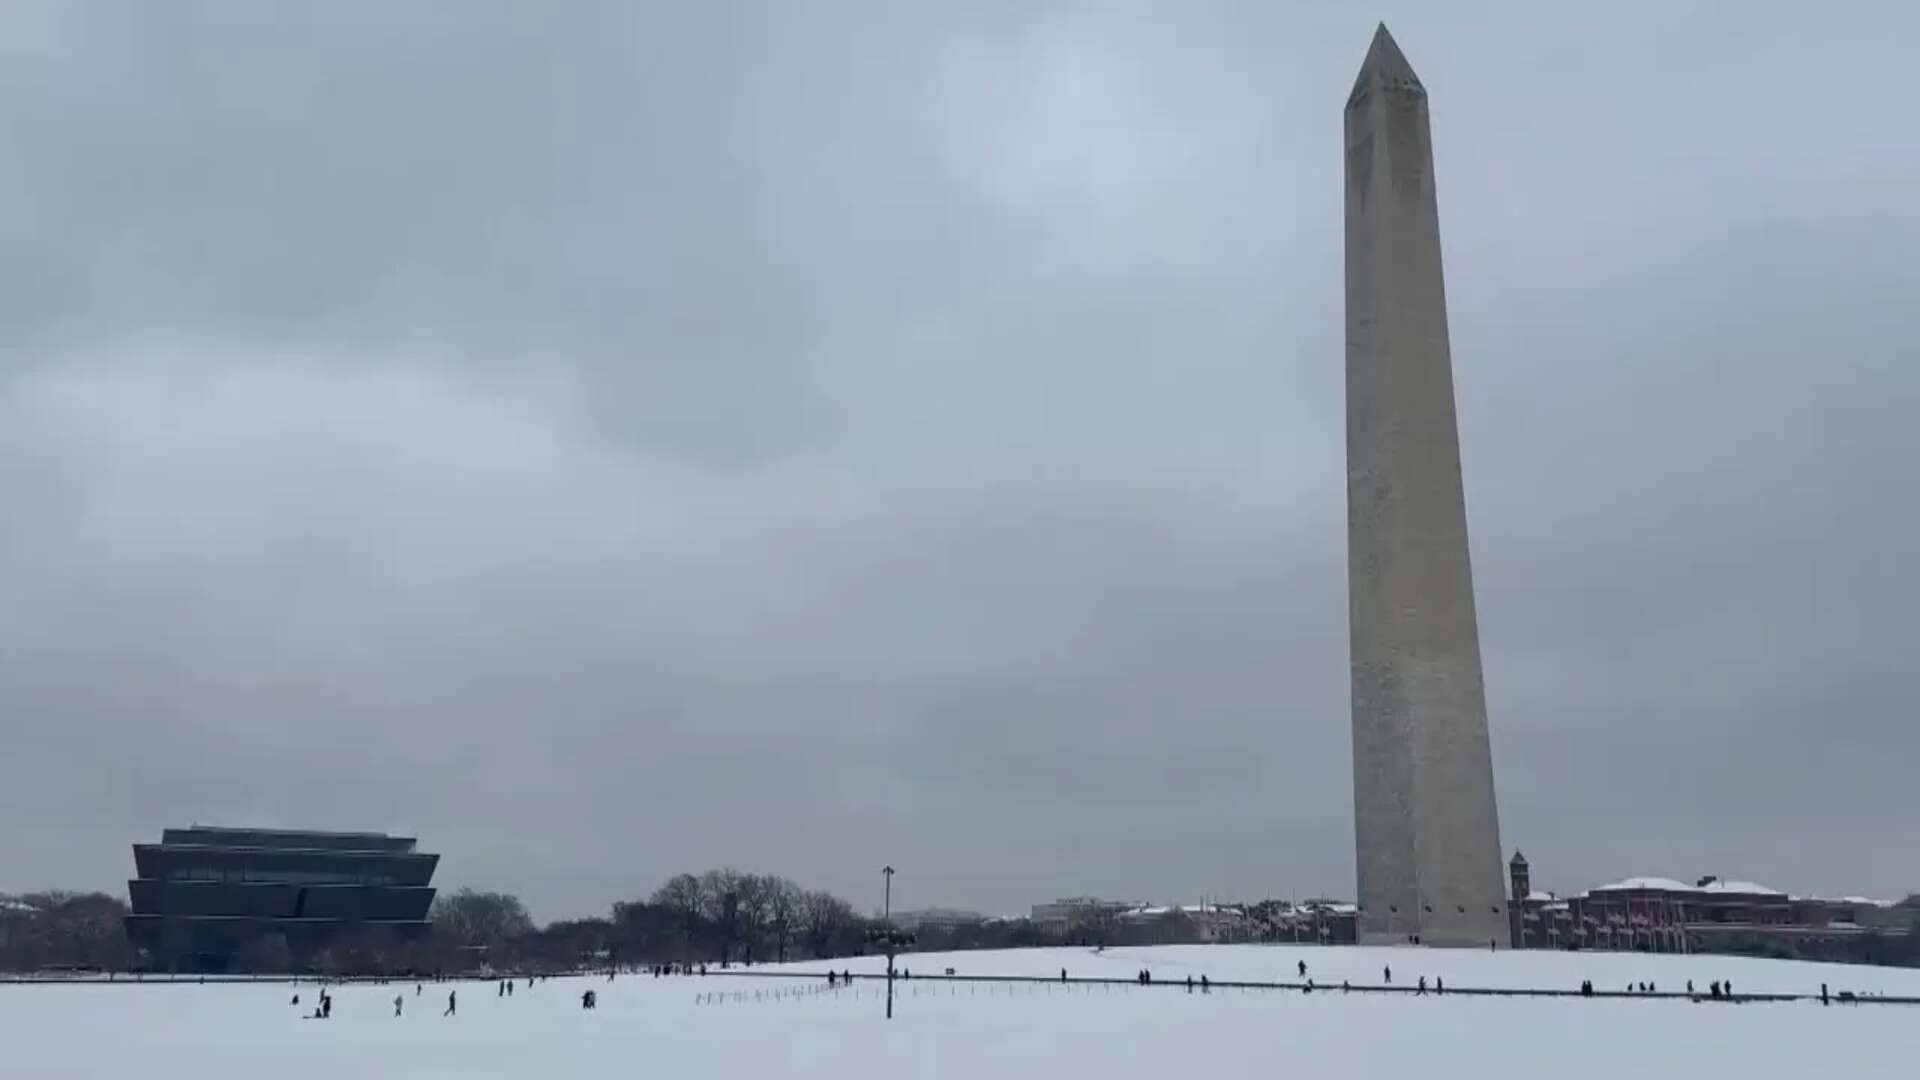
[[904, 983]]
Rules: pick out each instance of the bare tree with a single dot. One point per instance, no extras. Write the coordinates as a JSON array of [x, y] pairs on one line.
[[783, 914], [720, 906], [825, 919], [754, 911], [680, 897], [483, 919]]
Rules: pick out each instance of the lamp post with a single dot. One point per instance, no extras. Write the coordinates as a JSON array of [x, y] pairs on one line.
[[891, 940], [892, 937]]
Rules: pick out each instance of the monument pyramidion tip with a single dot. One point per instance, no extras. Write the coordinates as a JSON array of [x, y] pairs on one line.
[[1385, 67]]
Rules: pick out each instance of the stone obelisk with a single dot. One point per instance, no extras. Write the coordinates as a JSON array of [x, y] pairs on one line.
[[1426, 829]]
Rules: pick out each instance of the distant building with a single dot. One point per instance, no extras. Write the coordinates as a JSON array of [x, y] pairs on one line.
[[1322, 920], [937, 920], [1656, 914], [13, 913], [1186, 923], [1065, 914], [225, 899]]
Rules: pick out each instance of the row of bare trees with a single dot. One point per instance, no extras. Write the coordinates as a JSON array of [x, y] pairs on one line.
[[51, 930], [726, 915], [721, 916]]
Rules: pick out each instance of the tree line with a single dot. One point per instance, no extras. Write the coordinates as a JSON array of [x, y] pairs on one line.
[[63, 930], [722, 916]]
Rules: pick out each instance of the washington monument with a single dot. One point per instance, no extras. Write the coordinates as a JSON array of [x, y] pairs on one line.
[[1426, 829]]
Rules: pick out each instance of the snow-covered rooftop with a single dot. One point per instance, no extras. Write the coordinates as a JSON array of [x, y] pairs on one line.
[[1154, 911], [1657, 883], [1743, 888]]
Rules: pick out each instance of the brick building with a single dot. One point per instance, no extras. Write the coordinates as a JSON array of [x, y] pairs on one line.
[[1656, 914]]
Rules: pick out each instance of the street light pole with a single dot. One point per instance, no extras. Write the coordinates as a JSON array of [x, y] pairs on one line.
[[886, 916]]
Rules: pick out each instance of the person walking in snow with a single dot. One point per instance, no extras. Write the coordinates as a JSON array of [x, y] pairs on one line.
[[1303, 969], [397, 999], [1439, 985], [1423, 986], [451, 1003], [1388, 972]]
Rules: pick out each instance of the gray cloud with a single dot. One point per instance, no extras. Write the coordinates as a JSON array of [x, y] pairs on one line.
[[612, 440]]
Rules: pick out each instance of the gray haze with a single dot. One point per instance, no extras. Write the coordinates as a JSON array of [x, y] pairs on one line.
[[608, 441]]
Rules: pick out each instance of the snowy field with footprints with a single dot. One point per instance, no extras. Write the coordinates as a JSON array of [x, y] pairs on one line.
[[760, 1026]]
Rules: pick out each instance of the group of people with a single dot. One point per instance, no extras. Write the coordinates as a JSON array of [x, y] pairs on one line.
[[322, 1009], [658, 970], [839, 978]]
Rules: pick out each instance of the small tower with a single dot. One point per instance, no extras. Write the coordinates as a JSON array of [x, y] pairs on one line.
[[1522, 880]]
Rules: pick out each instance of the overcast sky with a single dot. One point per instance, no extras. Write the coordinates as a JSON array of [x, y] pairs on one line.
[[606, 441]]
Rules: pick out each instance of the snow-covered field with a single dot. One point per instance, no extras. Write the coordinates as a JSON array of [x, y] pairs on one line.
[[730, 1026]]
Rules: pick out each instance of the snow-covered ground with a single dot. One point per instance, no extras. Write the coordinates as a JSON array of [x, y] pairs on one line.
[[694, 1027]]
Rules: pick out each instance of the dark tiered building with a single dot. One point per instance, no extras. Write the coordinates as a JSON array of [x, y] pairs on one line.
[[219, 899]]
